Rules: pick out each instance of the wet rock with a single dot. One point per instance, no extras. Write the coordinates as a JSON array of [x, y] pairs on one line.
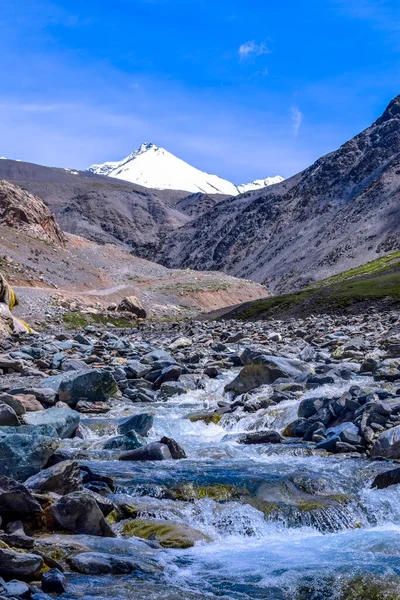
[[78, 512], [265, 370], [169, 535], [92, 385], [261, 437], [172, 388], [54, 582], [141, 424], [387, 444], [296, 428], [129, 441], [24, 451], [329, 444], [153, 451], [64, 420], [17, 564], [171, 373], [88, 476], [212, 371], [177, 452], [62, 478], [348, 432], [205, 417], [314, 381], [386, 479], [310, 406], [98, 563], [105, 504]]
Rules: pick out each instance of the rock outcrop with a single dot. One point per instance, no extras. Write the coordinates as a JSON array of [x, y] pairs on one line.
[[21, 210]]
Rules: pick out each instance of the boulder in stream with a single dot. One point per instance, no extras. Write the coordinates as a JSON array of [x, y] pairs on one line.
[[261, 437], [99, 563], [153, 451], [92, 385], [169, 535], [387, 444], [62, 478], [64, 420], [264, 369], [17, 564], [25, 450], [79, 512], [141, 424], [384, 480]]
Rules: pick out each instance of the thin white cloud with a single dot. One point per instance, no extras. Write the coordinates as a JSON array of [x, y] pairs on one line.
[[297, 119], [251, 48]]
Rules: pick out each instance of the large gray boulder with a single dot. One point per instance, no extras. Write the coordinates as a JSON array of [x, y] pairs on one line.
[[17, 564], [263, 370], [15, 497], [79, 512], [64, 420], [132, 305], [387, 444], [62, 478], [25, 450], [92, 385]]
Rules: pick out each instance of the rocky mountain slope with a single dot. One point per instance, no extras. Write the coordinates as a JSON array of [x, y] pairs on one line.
[[372, 287], [53, 270], [340, 212], [101, 209], [23, 211], [156, 168]]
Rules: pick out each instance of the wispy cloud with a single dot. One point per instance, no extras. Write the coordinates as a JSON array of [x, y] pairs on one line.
[[297, 119], [251, 48]]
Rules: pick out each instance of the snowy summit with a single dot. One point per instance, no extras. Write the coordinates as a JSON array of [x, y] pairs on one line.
[[156, 168]]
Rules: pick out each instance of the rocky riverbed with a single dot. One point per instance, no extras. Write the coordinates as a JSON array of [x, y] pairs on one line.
[[202, 460]]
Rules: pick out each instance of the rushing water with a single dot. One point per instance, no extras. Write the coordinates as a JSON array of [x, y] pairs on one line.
[[252, 555]]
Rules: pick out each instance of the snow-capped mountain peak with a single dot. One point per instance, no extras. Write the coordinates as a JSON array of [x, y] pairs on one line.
[[257, 184], [154, 167]]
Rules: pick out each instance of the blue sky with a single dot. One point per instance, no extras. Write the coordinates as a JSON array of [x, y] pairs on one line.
[[241, 89]]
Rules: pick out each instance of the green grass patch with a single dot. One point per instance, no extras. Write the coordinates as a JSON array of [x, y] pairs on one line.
[[78, 320], [374, 281], [203, 286], [379, 265]]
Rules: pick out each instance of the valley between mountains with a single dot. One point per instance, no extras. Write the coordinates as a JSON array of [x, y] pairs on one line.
[[200, 381]]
